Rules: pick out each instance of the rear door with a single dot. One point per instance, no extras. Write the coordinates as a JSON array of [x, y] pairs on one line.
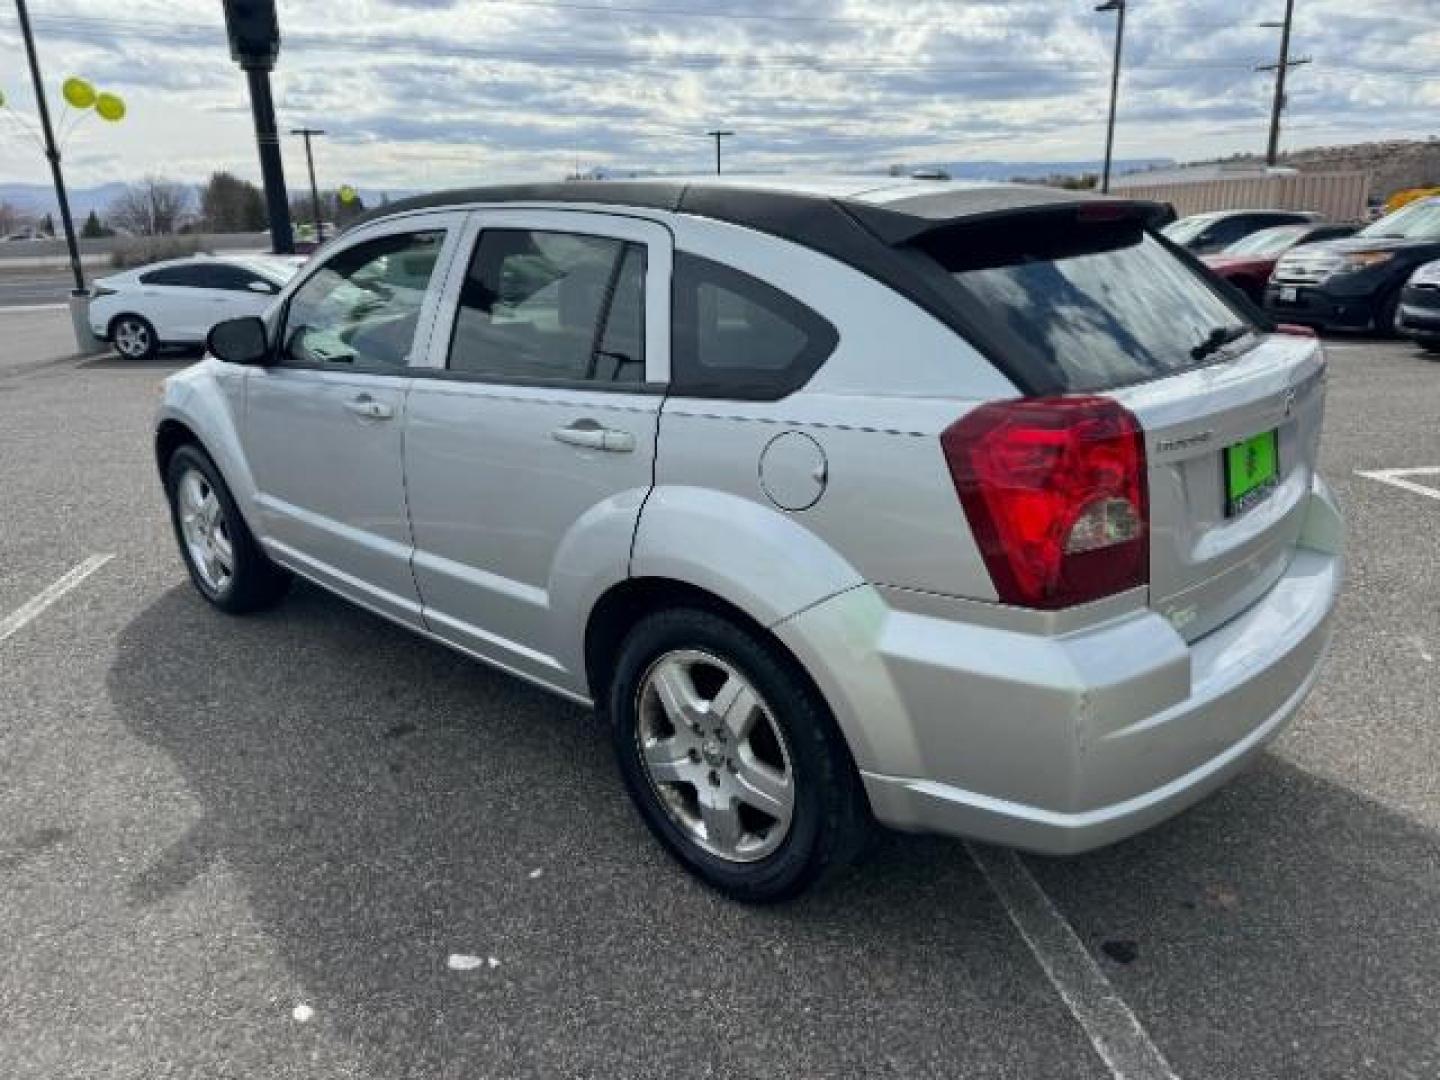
[[529, 444]]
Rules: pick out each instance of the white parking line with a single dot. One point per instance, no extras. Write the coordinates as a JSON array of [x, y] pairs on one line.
[[1112, 1028], [31, 307], [1397, 478], [28, 611]]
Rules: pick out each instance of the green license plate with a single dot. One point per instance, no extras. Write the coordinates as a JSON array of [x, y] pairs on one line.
[[1251, 472]]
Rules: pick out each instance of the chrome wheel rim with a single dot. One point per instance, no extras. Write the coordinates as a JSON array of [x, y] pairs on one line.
[[207, 536], [132, 338], [714, 755]]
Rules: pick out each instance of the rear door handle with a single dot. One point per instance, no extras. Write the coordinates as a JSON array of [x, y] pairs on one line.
[[592, 436], [368, 407]]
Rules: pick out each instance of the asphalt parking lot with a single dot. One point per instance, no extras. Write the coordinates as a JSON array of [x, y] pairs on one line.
[[263, 847]]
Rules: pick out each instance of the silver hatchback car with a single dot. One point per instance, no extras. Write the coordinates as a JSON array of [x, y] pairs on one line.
[[979, 510]]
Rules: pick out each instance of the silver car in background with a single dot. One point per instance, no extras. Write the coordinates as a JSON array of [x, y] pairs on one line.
[[970, 509]]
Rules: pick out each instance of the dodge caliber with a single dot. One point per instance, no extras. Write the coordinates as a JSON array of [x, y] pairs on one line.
[[974, 510]]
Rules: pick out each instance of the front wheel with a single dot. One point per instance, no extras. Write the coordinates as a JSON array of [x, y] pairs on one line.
[[225, 562], [732, 758]]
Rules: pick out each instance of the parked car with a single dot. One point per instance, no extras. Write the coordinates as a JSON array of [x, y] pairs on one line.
[[1419, 314], [177, 301], [1204, 233], [908, 499], [1355, 284], [1248, 263]]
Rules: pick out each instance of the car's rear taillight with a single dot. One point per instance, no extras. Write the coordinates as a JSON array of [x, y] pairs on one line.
[[1056, 495]]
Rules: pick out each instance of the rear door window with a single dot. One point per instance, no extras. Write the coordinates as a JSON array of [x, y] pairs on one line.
[[188, 277], [1097, 305], [542, 306]]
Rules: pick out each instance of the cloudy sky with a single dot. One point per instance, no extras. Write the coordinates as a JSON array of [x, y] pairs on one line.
[[424, 93]]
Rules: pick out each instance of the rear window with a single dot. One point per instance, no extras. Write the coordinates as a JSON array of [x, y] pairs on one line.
[[1095, 305]]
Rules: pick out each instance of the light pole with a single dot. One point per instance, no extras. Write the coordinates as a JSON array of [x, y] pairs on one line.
[[1117, 6], [52, 151], [1281, 68], [717, 136], [314, 191]]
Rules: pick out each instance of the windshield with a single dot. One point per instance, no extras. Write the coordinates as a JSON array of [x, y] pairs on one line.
[[1101, 305], [1418, 221], [1187, 228], [1268, 241]]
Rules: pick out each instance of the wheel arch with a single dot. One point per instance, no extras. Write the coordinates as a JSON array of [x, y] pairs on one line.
[[625, 604]]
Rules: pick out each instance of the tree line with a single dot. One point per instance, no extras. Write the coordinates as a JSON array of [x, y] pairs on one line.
[[154, 206]]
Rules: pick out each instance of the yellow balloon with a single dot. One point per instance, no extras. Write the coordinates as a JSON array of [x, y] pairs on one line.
[[78, 92], [110, 107], [347, 193]]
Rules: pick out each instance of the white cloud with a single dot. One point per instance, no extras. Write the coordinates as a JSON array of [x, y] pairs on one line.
[[420, 93]]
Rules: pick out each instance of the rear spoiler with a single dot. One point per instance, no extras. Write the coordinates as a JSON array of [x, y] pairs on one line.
[[924, 217]]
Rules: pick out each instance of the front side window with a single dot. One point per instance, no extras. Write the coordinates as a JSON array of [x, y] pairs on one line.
[[735, 336], [552, 307], [362, 308], [232, 279]]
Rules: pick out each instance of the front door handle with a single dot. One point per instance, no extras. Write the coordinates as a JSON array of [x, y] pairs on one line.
[[592, 436], [369, 408]]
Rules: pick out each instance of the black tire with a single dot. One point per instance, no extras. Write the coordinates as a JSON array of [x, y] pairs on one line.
[[255, 583], [128, 328], [1431, 345], [1389, 315], [830, 821]]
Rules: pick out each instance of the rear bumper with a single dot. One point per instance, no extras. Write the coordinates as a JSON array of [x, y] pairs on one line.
[[1317, 306], [1067, 742]]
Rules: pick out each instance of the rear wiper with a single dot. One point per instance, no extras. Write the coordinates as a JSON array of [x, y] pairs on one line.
[[1217, 339]]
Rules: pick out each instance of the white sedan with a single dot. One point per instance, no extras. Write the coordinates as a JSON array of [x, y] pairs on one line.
[[176, 302]]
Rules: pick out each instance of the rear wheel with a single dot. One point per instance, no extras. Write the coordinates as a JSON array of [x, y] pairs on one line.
[[134, 338], [224, 559], [732, 758]]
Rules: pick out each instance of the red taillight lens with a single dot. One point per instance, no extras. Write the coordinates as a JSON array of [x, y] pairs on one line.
[[1056, 495]]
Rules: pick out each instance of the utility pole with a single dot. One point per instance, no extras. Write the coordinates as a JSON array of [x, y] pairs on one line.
[[52, 151], [254, 33], [1281, 68], [717, 136], [1117, 6], [314, 191]]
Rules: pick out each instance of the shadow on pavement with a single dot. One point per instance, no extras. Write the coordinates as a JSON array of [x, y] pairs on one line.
[[385, 802]]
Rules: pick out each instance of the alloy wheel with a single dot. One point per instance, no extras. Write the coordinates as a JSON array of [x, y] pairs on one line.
[[207, 536], [132, 338], [715, 756]]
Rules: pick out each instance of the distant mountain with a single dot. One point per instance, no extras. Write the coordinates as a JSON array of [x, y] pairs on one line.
[[1033, 170]]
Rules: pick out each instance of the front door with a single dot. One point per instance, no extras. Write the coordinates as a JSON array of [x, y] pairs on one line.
[[323, 426], [529, 445]]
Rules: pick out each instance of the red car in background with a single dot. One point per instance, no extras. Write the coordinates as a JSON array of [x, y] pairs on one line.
[[1249, 261]]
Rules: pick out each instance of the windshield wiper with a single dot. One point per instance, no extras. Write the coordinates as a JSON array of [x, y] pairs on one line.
[[1217, 339]]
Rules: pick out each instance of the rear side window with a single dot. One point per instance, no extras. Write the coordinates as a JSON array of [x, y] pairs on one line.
[[1094, 305], [735, 336]]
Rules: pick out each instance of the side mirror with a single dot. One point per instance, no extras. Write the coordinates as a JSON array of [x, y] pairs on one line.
[[239, 341], [262, 287]]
